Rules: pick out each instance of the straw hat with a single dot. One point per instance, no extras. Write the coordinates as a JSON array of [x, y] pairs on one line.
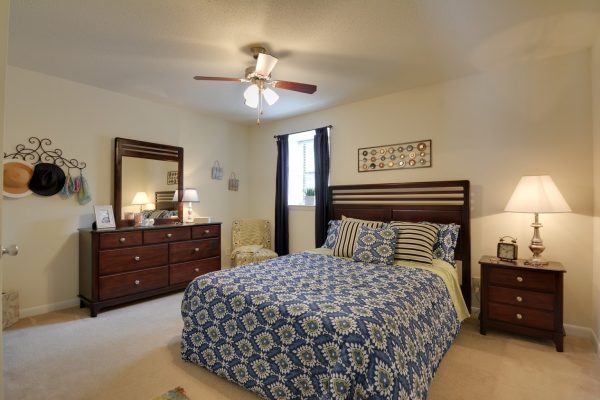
[[17, 174]]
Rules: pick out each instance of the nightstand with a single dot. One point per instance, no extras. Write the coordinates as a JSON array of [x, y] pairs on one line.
[[522, 299]]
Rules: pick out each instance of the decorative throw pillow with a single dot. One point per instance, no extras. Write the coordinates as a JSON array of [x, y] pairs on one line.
[[445, 244], [375, 245], [346, 241], [333, 229], [415, 241]]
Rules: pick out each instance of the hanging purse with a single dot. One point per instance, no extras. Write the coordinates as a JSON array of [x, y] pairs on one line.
[[217, 171], [234, 182]]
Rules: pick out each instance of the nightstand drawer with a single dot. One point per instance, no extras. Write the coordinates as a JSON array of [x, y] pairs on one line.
[[521, 316], [520, 297], [536, 280]]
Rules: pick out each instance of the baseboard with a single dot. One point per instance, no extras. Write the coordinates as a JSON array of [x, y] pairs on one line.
[[46, 308]]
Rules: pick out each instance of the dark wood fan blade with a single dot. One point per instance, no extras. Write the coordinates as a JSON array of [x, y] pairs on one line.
[[217, 78], [295, 86]]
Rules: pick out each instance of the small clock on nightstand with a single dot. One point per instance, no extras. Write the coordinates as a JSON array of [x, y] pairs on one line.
[[507, 251]]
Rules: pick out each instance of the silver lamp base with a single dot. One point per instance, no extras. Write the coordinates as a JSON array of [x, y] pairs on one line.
[[537, 245]]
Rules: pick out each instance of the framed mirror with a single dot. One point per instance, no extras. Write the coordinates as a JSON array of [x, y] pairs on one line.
[[146, 178]]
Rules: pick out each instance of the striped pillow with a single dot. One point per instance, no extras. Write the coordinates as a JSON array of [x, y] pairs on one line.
[[346, 241], [415, 241]]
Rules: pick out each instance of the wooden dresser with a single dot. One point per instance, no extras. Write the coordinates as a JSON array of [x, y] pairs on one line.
[[523, 299], [126, 264]]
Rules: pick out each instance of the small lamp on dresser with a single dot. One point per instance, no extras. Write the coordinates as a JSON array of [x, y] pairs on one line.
[[140, 199], [537, 194], [190, 195]]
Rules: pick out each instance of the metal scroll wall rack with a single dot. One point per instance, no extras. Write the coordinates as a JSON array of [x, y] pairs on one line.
[[38, 152]]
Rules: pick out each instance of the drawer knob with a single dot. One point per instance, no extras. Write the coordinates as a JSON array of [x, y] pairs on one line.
[[197, 269], [519, 299], [137, 282], [122, 240], [519, 316], [136, 258], [519, 279], [197, 249], [169, 235], [206, 231]]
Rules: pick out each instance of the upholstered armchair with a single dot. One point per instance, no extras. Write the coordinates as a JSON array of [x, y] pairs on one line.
[[251, 241]]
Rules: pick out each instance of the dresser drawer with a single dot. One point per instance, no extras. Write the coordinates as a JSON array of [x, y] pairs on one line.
[[193, 250], [132, 258], [521, 316], [536, 280], [201, 232], [132, 282], [166, 235], [185, 272], [520, 297], [123, 239]]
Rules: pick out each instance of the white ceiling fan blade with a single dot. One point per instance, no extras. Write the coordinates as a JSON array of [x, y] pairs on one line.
[[265, 64]]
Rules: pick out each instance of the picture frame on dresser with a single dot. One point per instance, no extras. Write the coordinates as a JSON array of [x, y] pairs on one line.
[[105, 217]]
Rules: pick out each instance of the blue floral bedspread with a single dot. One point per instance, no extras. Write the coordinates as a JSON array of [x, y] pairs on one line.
[[320, 327]]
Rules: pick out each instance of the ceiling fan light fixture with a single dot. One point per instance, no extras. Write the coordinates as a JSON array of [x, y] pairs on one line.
[[265, 64], [270, 96], [251, 96]]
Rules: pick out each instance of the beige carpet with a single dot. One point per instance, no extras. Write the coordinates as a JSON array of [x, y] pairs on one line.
[[133, 353]]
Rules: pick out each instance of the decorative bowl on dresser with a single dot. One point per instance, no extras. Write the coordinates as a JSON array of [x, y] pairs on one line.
[[523, 299], [122, 265]]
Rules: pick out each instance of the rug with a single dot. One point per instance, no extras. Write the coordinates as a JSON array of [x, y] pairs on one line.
[[176, 394]]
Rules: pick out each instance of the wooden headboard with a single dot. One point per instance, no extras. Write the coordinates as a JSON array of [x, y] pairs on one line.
[[440, 202], [164, 200]]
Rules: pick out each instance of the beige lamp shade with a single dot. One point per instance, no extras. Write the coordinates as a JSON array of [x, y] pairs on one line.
[[140, 198], [537, 194], [189, 194]]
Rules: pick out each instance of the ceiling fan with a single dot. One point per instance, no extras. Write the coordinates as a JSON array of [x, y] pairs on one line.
[[259, 77]]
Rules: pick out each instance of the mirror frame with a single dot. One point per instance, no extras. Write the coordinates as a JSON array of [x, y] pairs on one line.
[[153, 151]]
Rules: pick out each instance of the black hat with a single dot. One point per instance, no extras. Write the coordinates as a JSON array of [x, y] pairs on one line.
[[47, 179]]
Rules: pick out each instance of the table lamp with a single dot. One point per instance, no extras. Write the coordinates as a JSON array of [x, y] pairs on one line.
[[537, 195], [140, 199], [191, 196]]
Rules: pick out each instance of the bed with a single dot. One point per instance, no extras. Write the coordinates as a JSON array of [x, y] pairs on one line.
[[311, 325]]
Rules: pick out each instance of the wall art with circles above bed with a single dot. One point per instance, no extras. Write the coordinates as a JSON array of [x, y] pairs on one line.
[[409, 155]]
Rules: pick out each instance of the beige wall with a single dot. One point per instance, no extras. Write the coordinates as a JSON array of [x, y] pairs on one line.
[[83, 121], [596, 119], [4, 13], [491, 128]]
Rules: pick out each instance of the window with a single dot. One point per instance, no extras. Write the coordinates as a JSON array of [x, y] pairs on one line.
[[301, 179]]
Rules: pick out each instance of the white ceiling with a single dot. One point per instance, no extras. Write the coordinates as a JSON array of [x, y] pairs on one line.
[[351, 49]]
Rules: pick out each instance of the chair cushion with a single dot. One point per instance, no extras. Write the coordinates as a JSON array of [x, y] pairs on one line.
[[248, 257]]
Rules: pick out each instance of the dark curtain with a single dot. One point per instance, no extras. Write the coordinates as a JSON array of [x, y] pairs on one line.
[[321, 184], [281, 197]]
